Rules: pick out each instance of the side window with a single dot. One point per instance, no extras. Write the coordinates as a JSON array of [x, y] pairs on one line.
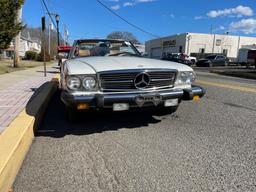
[[220, 57]]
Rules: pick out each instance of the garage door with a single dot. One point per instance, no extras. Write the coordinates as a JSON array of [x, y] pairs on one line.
[[156, 53]]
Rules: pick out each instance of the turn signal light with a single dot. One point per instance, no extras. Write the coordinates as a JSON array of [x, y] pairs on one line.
[[196, 98], [82, 106]]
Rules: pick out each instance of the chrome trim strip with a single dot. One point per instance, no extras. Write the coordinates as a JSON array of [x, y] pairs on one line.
[[139, 70], [118, 81], [153, 80]]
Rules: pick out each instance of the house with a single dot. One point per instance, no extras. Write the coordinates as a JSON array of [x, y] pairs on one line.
[[26, 44]]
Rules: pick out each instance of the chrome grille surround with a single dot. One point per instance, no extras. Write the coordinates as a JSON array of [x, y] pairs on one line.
[[123, 80]]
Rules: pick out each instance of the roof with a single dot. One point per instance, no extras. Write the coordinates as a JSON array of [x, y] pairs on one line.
[[203, 34], [30, 40]]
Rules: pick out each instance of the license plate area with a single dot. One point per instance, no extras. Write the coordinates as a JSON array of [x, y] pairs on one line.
[[142, 99]]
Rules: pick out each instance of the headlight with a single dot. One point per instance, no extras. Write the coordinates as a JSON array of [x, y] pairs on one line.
[[192, 77], [89, 83], [184, 77], [187, 77], [73, 83]]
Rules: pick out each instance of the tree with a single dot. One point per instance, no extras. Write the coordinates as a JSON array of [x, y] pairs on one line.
[[8, 26], [123, 35]]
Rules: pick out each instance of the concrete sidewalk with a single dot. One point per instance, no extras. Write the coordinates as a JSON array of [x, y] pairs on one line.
[[16, 89]]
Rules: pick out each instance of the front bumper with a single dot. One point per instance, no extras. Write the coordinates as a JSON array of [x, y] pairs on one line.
[[106, 100]]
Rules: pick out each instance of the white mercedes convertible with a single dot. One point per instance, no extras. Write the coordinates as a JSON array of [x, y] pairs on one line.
[[112, 74]]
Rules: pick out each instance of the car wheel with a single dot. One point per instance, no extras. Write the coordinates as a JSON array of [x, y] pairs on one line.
[[193, 61], [71, 115], [210, 64]]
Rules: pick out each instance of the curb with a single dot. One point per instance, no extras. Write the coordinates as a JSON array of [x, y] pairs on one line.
[[16, 139]]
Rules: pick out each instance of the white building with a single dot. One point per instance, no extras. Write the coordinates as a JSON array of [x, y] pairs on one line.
[[198, 43], [24, 46]]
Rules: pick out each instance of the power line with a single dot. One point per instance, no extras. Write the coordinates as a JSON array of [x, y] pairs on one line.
[[42, 7], [126, 21], [49, 13]]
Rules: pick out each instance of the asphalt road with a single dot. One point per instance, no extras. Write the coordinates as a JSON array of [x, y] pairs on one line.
[[208, 145]]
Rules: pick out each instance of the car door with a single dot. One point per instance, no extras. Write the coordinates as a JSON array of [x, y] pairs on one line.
[[220, 60]]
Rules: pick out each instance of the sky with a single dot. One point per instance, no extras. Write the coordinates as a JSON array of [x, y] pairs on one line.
[[88, 19]]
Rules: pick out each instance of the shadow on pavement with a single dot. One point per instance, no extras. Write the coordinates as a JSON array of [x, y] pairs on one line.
[[55, 124], [56, 67]]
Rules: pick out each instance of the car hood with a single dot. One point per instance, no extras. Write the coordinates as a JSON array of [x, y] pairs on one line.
[[90, 65]]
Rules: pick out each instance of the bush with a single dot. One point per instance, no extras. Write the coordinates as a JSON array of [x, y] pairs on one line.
[[31, 55], [40, 57]]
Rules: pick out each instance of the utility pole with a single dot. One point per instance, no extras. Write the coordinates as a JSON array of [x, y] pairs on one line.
[[65, 35], [16, 58], [188, 38], [57, 19], [49, 37], [213, 43], [44, 43]]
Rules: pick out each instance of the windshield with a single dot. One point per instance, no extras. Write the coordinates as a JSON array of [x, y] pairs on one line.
[[104, 48]]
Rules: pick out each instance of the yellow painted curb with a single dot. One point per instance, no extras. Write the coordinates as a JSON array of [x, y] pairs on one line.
[[16, 139], [228, 86]]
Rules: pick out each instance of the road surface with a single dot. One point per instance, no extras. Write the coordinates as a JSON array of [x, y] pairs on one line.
[[208, 145]]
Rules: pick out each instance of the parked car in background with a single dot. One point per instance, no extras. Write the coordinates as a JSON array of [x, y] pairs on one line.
[[112, 74], [212, 61], [178, 57], [63, 52], [192, 59]]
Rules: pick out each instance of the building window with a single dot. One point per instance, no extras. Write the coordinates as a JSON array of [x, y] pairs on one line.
[[225, 52], [9, 54], [218, 42], [201, 50], [180, 49], [171, 43]]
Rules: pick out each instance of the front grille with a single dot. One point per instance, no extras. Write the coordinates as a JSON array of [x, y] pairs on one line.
[[124, 80]]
